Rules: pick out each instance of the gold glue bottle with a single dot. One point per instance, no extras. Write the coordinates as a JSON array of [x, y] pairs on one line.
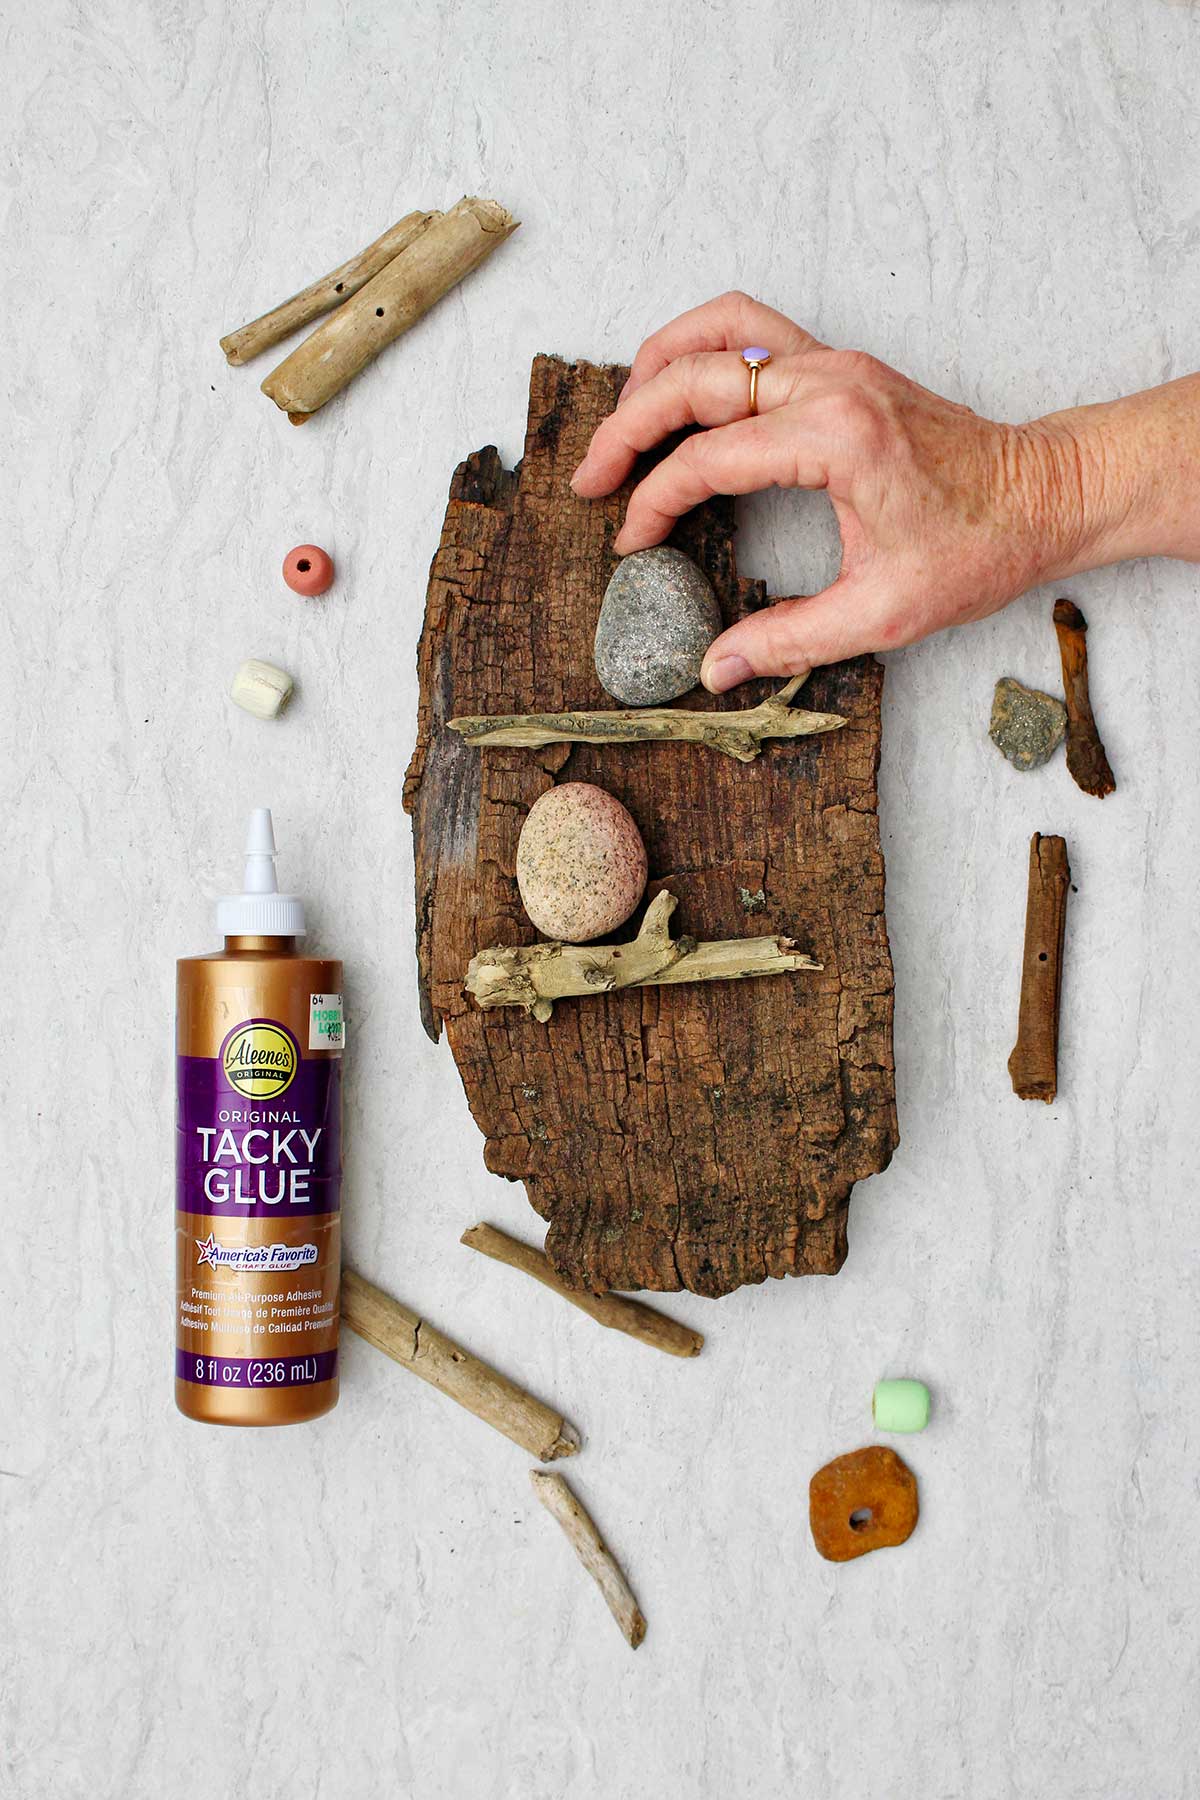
[[258, 1162]]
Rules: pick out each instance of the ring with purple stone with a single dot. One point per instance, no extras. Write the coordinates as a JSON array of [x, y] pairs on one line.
[[755, 358]]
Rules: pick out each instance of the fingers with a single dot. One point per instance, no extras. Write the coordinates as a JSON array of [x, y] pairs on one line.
[[775, 450], [728, 323], [704, 388], [794, 636]]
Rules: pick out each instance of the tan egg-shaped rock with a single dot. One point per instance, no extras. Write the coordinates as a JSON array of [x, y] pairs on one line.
[[581, 863]]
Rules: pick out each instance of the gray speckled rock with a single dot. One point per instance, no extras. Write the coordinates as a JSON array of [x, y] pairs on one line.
[[658, 618], [1027, 725]]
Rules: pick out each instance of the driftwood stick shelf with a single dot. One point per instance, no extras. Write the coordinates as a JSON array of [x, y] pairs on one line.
[[536, 975], [672, 1134], [740, 734]]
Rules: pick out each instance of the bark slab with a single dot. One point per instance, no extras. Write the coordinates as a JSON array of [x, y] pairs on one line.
[[673, 1137]]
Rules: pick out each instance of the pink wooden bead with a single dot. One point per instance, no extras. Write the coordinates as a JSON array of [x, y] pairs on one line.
[[308, 570]]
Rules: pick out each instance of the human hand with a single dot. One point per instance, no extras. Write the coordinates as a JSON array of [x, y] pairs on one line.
[[944, 516]]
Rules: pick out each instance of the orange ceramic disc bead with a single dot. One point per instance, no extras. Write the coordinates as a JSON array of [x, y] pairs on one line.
[[860, 1502], [308, 570]]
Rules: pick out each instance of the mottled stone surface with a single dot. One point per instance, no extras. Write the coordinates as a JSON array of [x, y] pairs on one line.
[[658, 617], [1027, 726], [864, 1501], [581, 863]]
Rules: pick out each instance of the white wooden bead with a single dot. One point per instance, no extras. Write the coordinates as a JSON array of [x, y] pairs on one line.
[[260, 688]]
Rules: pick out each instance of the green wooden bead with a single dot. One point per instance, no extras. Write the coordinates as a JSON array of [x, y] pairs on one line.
[[900, 1405]]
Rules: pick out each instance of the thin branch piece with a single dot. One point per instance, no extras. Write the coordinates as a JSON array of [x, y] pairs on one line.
[[322, 296], [740, 734], [614, 1310], [1086, 759], [449, 247], [414, 1344], [536, 975], [593, 1553], [1033, 1064]]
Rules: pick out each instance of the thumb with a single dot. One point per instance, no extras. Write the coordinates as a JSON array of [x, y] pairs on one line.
[[789, 637]]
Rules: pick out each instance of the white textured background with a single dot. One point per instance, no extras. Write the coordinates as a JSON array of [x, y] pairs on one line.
[[1001, 197]]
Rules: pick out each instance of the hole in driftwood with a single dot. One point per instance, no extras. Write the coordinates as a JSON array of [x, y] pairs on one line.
[[860, 1518], [379, 312], [1041, 956], [304, 565], [339, 287]]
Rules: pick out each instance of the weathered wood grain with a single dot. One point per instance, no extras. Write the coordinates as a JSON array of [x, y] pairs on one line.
[[1086, 757], [697, 1137], [1033, 1064]]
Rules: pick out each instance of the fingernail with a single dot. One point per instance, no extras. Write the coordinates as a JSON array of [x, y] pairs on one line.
[[624, 390], [726, 672]]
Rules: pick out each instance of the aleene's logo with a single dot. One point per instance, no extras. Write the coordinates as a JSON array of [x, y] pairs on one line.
[[259, 1061]]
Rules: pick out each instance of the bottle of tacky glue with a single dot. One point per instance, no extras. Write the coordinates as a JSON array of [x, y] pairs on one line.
[[258, 1162]]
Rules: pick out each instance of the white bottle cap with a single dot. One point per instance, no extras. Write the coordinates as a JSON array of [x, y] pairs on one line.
[[261, 911]]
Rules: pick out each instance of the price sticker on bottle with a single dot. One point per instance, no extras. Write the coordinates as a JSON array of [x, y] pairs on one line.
[[326, 1027]]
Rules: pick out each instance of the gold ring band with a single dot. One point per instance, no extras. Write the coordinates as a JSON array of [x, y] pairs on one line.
[[755, 358]]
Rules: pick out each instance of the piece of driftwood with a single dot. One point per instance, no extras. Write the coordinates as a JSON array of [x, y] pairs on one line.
[[673, 1136], [436, 260], [613, 1310], [322, 296], [1085, 753], [415, 1344], [1033, 1064], [536, 975], [740, 734], [593, 1553]]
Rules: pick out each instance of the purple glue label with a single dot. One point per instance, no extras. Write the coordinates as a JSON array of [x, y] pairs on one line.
[[258, 1128]]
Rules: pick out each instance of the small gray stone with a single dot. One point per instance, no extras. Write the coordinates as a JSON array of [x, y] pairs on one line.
[[658, 617], [1027, 725]]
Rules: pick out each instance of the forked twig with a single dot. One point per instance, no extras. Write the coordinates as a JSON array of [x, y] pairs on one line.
[[739, 734], [536, 975]]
